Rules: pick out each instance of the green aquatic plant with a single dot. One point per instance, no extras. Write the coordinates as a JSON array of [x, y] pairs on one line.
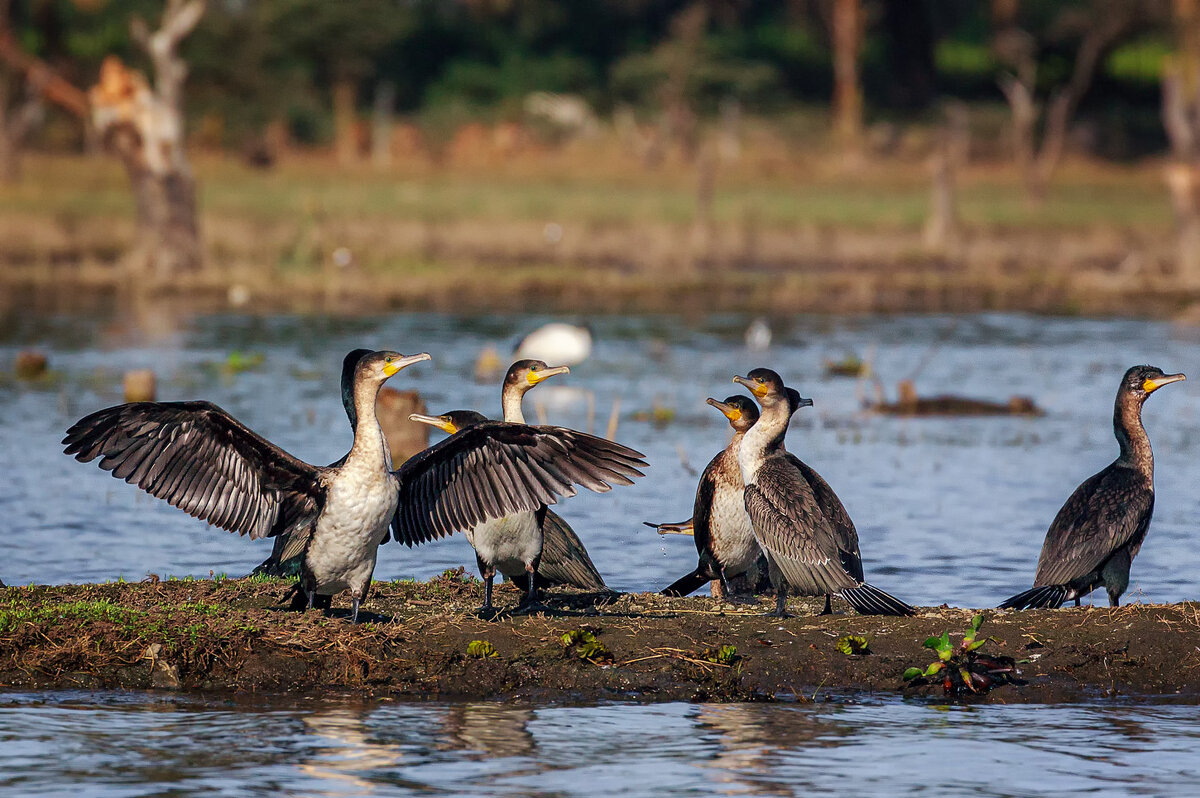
[[584, 644], [723, 655], [853, 645], [963, 667], [481, 649]]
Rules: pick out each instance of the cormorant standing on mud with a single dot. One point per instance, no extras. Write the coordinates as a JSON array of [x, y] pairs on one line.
[[809, 539], [721, 527], [197, 457], [1097, 533]]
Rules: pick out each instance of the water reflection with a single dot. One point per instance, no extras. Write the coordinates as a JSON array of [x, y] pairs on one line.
[[132, 744]]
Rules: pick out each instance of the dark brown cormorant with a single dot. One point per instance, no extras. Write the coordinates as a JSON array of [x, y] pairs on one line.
[[1097, 533], [197, 457], [721, 528], [809, 539]]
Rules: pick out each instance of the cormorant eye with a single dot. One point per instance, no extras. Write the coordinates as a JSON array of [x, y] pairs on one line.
[[388, 359], [533, 368]]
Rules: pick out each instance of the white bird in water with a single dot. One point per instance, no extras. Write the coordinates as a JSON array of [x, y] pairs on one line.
[[758, 335], [556, 342]]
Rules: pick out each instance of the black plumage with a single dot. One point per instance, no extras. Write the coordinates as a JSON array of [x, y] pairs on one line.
[[505, 468], [1097, 533], [198, 458], [721, 528], [809, 539]]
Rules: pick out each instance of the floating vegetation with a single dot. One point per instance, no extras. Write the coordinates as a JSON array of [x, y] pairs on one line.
[[657, 415], [963, 667], [239, 361], [853, 645], [481, 649], [849, 366], [584, 644]]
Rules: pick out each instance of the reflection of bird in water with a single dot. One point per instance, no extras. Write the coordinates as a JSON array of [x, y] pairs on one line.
[[493, 730], [758, 335], [722, 530], [1097, 533], [810, 542], [556, 342], [350, 751], [744, 748]]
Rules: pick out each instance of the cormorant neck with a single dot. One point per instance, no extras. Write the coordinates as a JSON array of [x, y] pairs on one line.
[[767, 433], [368, 436], [510, 400], [1131, 435]]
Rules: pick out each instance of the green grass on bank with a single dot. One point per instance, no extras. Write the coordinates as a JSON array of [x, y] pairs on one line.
[[65, 189]]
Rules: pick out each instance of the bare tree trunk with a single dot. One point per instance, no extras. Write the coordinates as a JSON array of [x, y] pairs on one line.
[[847, 90], [381, 124], [17, 121], [1181, 120], [941, 228], [678, 122], [345, 142], [145, 129]]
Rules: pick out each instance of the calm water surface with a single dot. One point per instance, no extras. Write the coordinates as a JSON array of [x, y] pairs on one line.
[[949, 510], [139, 745]]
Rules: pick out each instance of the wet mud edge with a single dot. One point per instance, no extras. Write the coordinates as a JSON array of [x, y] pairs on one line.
[[227, 635]]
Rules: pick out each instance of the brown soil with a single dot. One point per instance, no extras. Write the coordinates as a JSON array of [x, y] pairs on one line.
[[234, 635]]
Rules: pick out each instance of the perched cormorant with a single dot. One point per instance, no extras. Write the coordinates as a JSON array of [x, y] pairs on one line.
[[538, 543], [809, 539], [517, 542], [1097, 533], [273, 565], [565, 560], [197, 457], [721, 528]]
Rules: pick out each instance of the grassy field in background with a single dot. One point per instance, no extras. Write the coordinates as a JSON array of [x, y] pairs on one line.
[[791, 231]]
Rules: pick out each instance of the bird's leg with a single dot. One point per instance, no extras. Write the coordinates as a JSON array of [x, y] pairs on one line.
[[828, 606], [531, 603], [354, 615], [780, 602], [1077, 601], [488, 572], [312, 594]]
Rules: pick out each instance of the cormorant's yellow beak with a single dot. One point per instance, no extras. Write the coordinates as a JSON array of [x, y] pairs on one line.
[[402, 362], [1150, 386], [759, 389], [534, 377], [732, 413], [441, 422]]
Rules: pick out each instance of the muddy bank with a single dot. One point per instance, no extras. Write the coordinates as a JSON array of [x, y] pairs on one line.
[[234, 635]]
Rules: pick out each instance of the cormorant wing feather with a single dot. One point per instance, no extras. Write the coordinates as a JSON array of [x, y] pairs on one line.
[[702, 508], [1109, 510], [833, 509], [792, 528], [494, 469], [565, 560], [200, 459]]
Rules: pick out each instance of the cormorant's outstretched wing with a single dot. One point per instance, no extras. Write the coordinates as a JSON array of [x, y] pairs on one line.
[[200, 459], [797, 536], [495, 469], [1108, 511], [839, 520], [565, 560]]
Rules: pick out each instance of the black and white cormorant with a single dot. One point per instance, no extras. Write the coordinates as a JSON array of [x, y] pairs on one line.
[[720, 525], [197, 457], [1097, 533], [538, 544], [810, 542]]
